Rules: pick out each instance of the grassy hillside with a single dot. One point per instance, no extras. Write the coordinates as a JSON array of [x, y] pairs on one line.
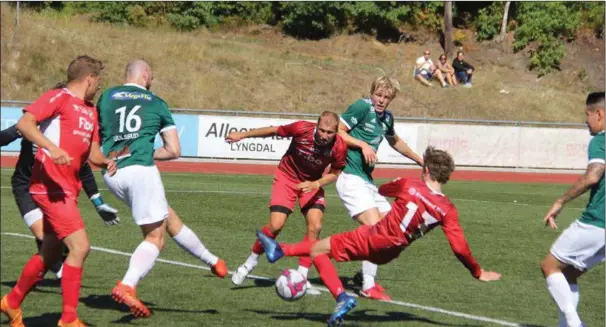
[[257, 68]]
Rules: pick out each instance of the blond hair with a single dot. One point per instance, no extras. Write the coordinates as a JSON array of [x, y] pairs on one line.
[[391, 85]]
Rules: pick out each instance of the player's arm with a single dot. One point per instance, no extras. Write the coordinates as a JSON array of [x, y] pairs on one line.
[[402, 147], [107, 213], [393, 188], [28, 127], [593, 173], [458, 243], [370, 157], [97, 158], [171, 148], [9, 135], [257, 132], [328, 178]]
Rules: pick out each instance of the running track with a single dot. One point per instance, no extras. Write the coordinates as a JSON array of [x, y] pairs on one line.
[[268, 169]]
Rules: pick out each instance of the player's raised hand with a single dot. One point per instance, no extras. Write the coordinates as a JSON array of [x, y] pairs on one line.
[[111, 166], [308, 186], [60, 156], [234, 137], [551, 215], [370, 157], [489, 276]]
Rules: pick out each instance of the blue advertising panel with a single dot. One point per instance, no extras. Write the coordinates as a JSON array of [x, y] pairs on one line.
[[9, 117]]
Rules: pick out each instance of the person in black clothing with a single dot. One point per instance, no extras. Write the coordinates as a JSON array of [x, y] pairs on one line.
[[32, 215], [463, 70]]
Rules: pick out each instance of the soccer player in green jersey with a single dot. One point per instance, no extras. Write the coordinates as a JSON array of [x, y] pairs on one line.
[[363, 126], [581, 245], [130, 117]]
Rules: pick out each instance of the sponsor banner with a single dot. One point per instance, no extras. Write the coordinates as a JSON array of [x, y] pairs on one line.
[[9, 117], [187, 127], [214, 129], [474, 145], [407, 132], [554, 147]]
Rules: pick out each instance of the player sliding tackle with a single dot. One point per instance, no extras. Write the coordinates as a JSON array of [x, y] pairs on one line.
[[130, 117], [419, 207], [314, 146]]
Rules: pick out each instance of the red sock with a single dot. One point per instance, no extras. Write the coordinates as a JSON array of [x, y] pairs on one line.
[[32, 273], [305, 260], [298, 249], [258, 247], [328, 274], [70, 284]]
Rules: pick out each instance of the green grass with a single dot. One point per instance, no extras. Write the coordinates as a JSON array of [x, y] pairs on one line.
[[225, 210]]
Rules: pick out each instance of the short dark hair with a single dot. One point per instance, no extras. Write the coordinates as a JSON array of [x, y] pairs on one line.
[[439, 164], [83, 66], [595, 100], [330, 114]]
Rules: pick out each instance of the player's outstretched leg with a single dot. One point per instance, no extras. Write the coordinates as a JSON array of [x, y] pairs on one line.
[[345, 303], [273, 251], [277, 219], [190, 242]]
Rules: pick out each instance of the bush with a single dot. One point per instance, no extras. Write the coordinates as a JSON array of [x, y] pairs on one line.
[[548, 24], [313, 20], [488, 22]]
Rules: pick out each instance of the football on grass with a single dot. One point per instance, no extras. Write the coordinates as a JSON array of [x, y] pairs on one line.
[[291, 285]]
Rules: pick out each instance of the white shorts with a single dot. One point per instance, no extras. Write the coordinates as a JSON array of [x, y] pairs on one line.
[[141, 189], [359, 195], [580, 245], [33, 216]]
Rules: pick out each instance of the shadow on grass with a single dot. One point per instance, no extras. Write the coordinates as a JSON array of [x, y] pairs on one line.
[[105, 302], [357, 317], [46, 320], [255, 283]]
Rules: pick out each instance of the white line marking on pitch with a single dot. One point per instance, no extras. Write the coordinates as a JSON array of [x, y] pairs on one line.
[[400, 303]]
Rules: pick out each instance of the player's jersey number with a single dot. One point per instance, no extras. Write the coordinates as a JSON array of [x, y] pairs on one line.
[[428, 220], [129, 120]]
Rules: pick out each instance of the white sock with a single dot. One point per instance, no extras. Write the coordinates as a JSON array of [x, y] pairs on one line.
[[141, 262], [574, 288], [303, 271], [252, 261], [560, 291], [190, 242], [369, 271]]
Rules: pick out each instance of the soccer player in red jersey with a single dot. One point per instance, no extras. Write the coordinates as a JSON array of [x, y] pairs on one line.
[[418, 208], [67, 137], [314, 147]]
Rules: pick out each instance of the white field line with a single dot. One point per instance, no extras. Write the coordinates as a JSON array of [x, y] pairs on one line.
[[330, 196], [399, 303]]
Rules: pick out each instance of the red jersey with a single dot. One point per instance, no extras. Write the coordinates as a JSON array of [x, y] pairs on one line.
[[416, 210], [304, 159], [71, 124]]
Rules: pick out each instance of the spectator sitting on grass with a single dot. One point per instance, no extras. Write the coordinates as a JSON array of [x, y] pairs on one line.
[[463, 70], [425, 70], [447, 70]]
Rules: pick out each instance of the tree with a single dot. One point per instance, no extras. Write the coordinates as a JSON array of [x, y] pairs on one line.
[[448, 27], [504, 23]]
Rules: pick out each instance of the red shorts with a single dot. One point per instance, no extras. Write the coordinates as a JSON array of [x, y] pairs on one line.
[[364, 243], [284, 193], [60, 214]]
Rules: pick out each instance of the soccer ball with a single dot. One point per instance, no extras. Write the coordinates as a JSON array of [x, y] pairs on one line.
[[291, 285]]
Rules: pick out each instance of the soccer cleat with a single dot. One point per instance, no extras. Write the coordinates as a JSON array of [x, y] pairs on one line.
[[358, 280], [375, 293], [312, 290], [219, 269], [273, 251], [240, 275], [15, 316], [75, 323], [125, 294], [345, 303]]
